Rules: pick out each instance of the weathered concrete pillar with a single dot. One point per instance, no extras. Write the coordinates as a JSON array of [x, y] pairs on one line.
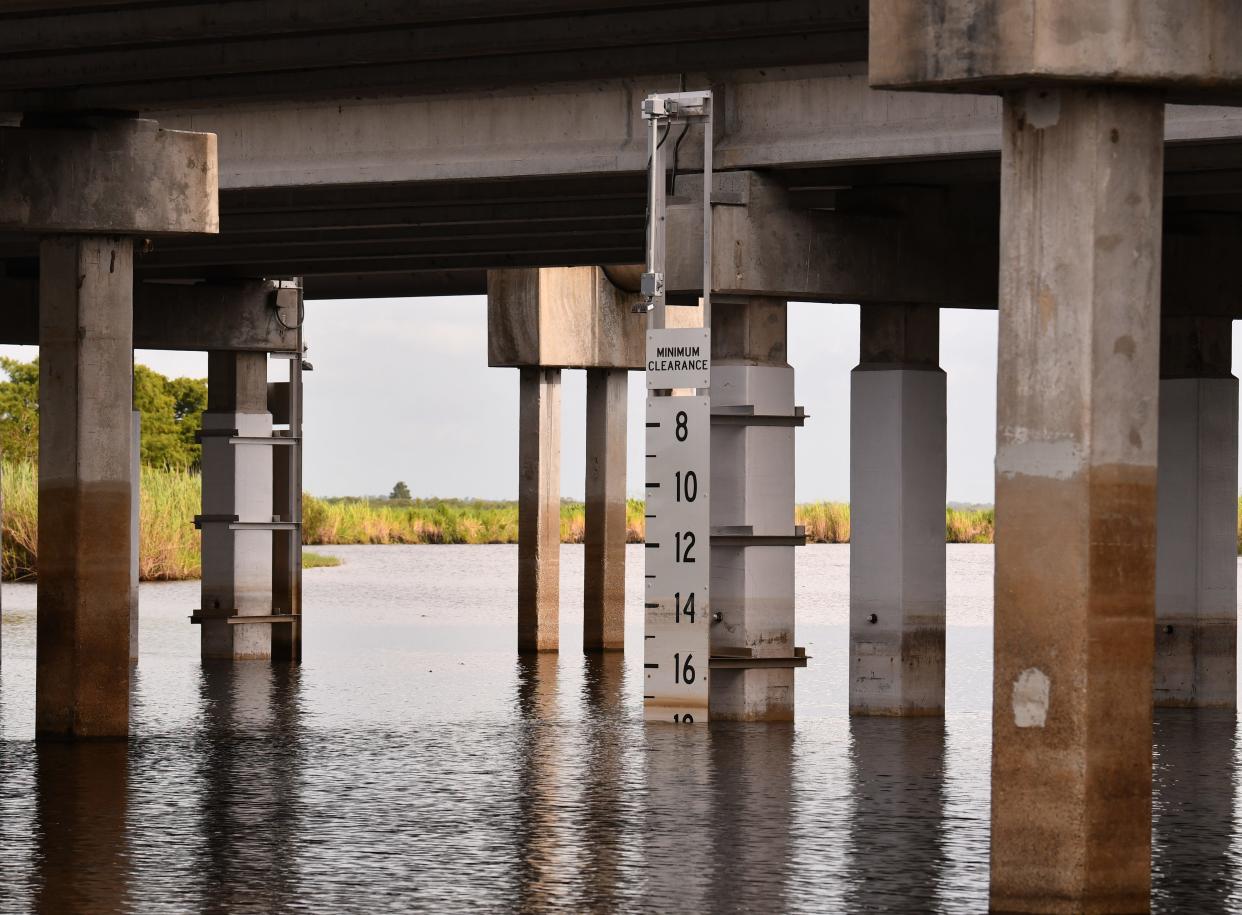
[[539, 510], [604, 585], [1076, 500], [1197, 516], [85, 486], [897, 503], [237, 487], [87, 184], [752, 509], [135, 517], [1084, 88]]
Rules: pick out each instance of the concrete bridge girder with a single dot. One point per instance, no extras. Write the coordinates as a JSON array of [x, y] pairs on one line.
[[931, 246]]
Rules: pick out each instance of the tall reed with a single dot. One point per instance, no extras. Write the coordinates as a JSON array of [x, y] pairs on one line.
[[168, 544], [353, 521]]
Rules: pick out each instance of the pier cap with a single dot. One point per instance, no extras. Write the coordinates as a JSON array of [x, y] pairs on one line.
[[107, 176], [1188, 48]]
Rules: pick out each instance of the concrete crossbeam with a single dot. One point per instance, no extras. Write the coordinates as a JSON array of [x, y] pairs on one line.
[[85, 488], [933, 247], [246, 315], [128, 177], [564, 317], [1186, 47]]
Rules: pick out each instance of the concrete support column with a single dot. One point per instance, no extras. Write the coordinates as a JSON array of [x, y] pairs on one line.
[[539, 510], [604, 585], [752, 496], [1197, 517], [1081, 186], [897, 503], [135, 517], [237, 482], [85, 486]]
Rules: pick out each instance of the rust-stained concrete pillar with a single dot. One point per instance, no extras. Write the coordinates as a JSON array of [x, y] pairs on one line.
[[1084, 88], [1197, 517], [85, 486], [539, 510], [1076, 500], [604, 569], [237, 487], [135, 529], [752, 510], [87, 184], [897, 502]]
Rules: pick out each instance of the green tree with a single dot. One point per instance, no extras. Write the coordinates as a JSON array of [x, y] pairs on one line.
[[171, 413], [400, 491], [19, 410], [189, 401]]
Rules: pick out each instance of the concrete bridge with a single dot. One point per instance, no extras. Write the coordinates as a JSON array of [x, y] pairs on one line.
[[901, 154]]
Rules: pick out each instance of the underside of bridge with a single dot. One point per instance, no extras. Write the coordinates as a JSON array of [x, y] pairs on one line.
[[165, 165]]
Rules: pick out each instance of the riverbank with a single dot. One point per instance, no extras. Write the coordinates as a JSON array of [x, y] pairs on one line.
[[169, 547], [375, 521]]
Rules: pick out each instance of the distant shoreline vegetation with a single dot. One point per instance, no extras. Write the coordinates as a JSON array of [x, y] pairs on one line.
[[364, 520], [170, 545]]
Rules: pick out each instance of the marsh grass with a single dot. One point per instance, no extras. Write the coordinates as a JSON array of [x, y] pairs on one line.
[[360, 521], [829, 522], [170, 546], [312, 560]]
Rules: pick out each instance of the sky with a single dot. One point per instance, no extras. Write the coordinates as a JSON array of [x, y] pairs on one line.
[[401, 391]]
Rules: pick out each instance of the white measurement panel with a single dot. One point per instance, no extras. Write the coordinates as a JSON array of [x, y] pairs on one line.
[[679, 358], [678, 563]]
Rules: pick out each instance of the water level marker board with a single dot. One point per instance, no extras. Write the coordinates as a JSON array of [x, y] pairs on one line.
[[678, 567]]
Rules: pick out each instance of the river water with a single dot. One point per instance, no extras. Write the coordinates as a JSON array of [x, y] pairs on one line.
[[414, 763]]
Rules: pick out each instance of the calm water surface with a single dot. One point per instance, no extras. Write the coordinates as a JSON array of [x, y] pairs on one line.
[[414, 763]]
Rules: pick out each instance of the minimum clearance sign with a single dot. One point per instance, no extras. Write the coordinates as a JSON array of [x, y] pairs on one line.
[[678, 358]]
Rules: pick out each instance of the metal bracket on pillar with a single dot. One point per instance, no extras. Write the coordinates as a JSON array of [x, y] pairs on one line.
[[743, 659], [677, 555], [746, 416], [234, 619], [744, 535]]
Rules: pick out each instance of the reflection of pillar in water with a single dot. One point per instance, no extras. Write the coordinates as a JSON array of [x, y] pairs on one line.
[[678, 864], [1193, 820], [605, 840], [81, 863], [540, 867], [250, 722], [895, 833], [751, 812]]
